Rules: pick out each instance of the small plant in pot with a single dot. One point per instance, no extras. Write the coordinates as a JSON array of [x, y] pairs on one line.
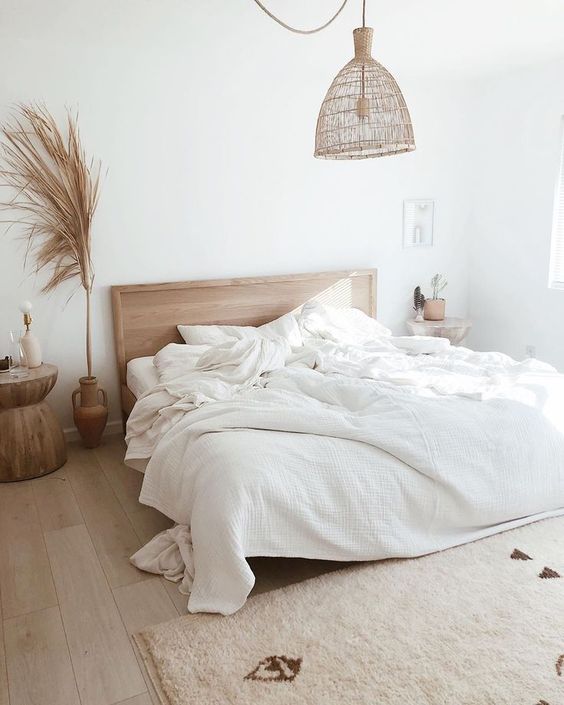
[[434, 308], [54, 191]]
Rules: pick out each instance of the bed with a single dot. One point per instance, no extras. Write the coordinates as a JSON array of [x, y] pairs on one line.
[[344, 449], [146, 315]]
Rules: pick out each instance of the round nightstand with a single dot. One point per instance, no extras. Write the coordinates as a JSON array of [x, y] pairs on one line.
[[31, 438], [455, 329]]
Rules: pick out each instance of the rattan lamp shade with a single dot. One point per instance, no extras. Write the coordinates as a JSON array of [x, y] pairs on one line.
[[364, 113]]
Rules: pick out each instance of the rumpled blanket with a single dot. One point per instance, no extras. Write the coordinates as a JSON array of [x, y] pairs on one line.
[[339, 451]]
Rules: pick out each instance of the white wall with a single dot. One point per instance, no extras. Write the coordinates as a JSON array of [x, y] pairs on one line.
[[205, 116], [515, 134]]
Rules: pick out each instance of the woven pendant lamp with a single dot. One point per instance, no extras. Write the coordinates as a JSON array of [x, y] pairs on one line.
[[364, 113]]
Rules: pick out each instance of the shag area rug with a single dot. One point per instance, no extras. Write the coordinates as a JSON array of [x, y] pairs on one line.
[[481, 624]]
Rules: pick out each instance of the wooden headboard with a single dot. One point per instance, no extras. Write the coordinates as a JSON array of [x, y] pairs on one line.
[[146, 315]]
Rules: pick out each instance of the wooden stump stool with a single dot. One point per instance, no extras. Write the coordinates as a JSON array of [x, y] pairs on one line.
[[31, 438]]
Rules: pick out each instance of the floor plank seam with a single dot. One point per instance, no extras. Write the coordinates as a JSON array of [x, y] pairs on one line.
[[173, 602], [43, 534], [107, 577], [121, 504], [70, 654], [127, 513], [104, 578], [104, 571], [69, 485], [129, 636], [30, 612], [90, 534], [4, 666]]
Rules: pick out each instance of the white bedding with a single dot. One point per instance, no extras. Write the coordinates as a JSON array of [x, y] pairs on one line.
[[143, 372], [339, 451], [142, 375]]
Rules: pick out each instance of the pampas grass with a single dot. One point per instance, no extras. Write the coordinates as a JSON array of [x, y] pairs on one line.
[[54, 193]]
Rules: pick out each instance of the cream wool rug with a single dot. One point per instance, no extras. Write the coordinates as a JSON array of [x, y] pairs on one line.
[[479, 624]]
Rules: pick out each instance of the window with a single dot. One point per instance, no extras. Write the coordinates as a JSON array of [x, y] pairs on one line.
[[556, 280]]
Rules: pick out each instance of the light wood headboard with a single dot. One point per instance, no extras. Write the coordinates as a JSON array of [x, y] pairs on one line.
[[146, 315]]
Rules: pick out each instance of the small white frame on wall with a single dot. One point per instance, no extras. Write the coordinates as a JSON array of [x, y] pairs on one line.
[[418, 221]]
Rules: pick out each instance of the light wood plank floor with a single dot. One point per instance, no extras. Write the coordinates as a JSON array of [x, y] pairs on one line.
[[70, 599]]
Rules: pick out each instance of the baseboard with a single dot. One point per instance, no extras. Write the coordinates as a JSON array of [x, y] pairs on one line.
[[113, 428]]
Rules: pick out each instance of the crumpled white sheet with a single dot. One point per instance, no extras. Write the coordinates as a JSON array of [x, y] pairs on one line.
[[340, 325], [343, 452], [169, 554], [192, 375], [220, 372]]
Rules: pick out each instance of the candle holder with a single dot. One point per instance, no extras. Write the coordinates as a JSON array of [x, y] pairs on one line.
[[17, 359]]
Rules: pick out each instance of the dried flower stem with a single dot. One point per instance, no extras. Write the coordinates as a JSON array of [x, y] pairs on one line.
[[54, 195]]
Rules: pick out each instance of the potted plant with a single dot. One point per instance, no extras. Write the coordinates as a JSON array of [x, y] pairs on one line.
[[55, 193], [434, 308]]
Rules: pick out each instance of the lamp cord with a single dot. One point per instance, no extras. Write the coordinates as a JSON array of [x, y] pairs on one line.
[[304, 31]]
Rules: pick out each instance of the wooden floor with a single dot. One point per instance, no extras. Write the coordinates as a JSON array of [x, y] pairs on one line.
[[71, 599]]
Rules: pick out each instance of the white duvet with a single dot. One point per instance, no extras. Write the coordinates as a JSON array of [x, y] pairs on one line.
[[338, 451]]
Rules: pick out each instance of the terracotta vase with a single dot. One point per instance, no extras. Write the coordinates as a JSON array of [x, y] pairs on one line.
[[91, 414], [434, 309]]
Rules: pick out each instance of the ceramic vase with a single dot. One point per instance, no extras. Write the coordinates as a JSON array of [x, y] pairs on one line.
[[32, 349], [434, 309], [90, 411]]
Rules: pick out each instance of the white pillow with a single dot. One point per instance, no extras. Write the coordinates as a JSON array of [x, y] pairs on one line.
[[286, 326], [340, 325]]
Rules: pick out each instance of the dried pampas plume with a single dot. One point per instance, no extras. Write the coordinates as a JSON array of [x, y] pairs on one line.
[[54, 193]]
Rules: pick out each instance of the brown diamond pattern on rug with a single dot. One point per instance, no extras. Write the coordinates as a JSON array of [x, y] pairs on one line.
[[276, 669], [548, 573], [518, 555], [542, 702], [560, 665]]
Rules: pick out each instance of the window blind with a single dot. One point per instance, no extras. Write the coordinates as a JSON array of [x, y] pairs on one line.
[[556, 280]]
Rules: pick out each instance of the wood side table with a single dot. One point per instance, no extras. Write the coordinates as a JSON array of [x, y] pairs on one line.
[[455, 329], [31, 438]]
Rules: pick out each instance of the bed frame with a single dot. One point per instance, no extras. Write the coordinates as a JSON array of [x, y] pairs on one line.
[[146, 315]]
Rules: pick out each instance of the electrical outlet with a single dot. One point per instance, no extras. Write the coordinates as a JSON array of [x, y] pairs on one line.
[[530, 351]]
